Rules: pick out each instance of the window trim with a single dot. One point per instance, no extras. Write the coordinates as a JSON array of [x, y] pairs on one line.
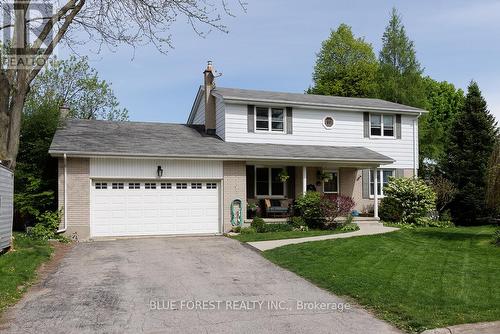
[[381, 125], [336, 171], [380, 179], [269, 119], [270, 185], [324, 122]]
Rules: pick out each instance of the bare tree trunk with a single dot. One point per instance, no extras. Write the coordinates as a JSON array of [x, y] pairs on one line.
[[11, 109], [4, 115], [16, 111]]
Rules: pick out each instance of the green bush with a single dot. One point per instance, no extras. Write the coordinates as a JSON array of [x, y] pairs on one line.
[[46, 226], [247, 230], [297, 222], [350, 227], [236, 229], [277, 228], [258, 224], [445, 216], [310, 206], [389, 210], [407, 199], [429, 222]]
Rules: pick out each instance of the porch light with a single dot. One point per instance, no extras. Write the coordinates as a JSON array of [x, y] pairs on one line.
[[159, 171]]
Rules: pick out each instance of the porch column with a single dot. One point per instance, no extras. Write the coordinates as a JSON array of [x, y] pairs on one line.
[[304, 179], [375, 192]]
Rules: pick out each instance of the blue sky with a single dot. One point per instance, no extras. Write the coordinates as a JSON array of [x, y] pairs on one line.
[[273, 47]]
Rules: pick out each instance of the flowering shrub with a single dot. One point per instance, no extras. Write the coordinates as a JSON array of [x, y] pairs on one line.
[[336, 206], [319, 210], [407, 199]]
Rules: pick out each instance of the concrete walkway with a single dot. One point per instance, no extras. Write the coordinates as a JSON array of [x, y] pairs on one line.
[[477, 328], [364, 229]]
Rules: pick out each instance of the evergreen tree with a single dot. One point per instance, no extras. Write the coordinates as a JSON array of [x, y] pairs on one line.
[[443, 101], [345, 66], [493, 180], [469, 147], [400, 74]]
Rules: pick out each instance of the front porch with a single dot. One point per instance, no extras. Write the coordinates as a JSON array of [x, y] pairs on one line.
[[272, 189]]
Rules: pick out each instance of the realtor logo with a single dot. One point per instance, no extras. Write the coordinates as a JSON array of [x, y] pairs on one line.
[[27, 37]]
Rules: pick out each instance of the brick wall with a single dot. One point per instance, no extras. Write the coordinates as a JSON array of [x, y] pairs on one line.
[[234, 187], [78, 205]]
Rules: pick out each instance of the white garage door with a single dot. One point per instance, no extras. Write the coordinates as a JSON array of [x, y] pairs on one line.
[[120, 208]]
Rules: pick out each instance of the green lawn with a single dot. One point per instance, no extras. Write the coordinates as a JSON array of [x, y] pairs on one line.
[[282, 235], [416, 279], [18, 268]]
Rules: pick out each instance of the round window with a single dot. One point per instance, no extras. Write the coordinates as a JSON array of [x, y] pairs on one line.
[[328, 122]]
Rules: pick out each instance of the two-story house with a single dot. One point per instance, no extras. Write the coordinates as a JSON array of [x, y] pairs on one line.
[[136, 178]]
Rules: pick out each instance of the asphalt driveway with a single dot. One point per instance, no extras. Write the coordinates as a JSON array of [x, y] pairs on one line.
[[180, 285]]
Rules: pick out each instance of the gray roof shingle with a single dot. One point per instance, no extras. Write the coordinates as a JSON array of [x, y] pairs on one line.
[[95, 138], [309, 99]]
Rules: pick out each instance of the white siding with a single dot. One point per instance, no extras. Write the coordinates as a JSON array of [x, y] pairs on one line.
[[6, 206], [146, 168], [199, 115], [220, 120], [308, 130]]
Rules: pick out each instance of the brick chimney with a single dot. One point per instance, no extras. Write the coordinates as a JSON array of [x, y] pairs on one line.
[[63, 111], [209, 85]]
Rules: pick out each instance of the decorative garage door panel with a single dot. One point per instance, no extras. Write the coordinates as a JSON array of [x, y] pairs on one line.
[[121, 208]]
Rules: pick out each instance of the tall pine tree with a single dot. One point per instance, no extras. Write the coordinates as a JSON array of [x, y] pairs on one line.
[[400, 73], [493, 180], [471, 140]]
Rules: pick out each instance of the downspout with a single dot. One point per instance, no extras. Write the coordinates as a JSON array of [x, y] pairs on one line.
[[415, 140], [65, 219]]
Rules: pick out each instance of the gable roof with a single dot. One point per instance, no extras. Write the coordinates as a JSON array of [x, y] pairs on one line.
[[354, 103], [162, 140]]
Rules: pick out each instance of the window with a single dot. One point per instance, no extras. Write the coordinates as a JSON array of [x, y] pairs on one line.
[[101, 185], [331, 186], [382, 180], [277, 119], [116, 185], [134, 186], [195, 185], [181, 185], [388, 126], [211, 185], [328, 122], [166, 185], [262, 118], [268, 183], [150, 185], [270, 119], [381, 125]]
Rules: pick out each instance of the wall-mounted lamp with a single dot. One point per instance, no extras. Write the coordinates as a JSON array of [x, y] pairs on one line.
[[159, 171]]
